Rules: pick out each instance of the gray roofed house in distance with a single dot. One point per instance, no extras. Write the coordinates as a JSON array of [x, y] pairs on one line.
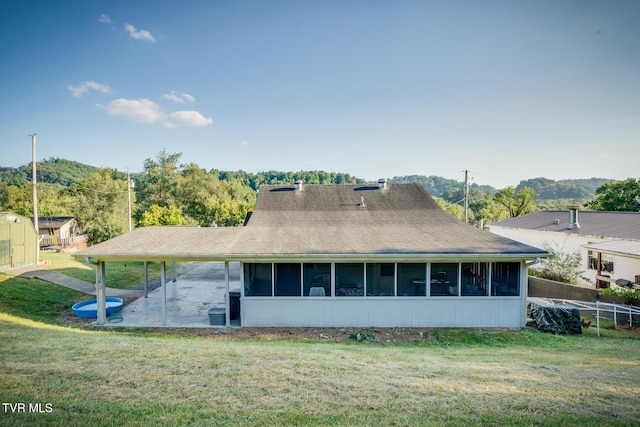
[[609, 242], [352, 255]]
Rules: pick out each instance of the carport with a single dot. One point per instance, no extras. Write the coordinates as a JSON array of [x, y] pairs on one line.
[[163, 245]]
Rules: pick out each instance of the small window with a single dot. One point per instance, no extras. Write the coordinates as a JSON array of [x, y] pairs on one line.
[[474, 279], [257, 279], [350, 280], [444, 279], [606, 262], [505, 279], [380, 279], [317, 279], [287, 280], [411, 280]]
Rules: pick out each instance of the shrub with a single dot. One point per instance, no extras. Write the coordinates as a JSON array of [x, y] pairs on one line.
[[363, 335]]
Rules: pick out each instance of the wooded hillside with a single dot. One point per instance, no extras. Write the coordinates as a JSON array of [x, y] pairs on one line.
[[168, 192]]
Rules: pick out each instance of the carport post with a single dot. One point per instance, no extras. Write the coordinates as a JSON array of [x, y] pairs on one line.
[[163, 283], [146, 279], [101, 294], [227, 296]]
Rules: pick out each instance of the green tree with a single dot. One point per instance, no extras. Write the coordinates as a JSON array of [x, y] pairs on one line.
[[161, 215], [617, 196], [453, 209], [102, 204], [517, 204], [157, 183], [53, 200]]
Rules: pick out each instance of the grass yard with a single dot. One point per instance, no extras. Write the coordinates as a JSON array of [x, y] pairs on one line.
[[35, 299], [118, 274], [75, 377], [471, 378]]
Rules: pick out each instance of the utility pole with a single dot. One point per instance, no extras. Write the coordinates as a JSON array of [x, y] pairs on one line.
[[129, 195], [466, 197], [35, 193]]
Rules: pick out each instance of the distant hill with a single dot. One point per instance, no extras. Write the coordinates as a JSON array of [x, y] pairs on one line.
[[51, 171], [436, 185], [66, 172], [547, 189]]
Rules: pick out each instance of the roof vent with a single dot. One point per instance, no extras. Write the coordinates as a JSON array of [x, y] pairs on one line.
[[382, 183], [361, 204], [298, 185], [573, 218], [556, 221]]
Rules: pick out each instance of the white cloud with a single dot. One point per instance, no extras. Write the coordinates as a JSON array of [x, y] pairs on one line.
[[105, 19], [146, 111], [186, 118], [139, 110], [82, 88], [180, 98], [139, 34]]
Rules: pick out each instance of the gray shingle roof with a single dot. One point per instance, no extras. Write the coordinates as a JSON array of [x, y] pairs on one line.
[[617, 225], [53, 221], [324, 221]]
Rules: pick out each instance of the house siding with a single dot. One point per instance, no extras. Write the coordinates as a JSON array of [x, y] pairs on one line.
[[383, 312], [398, 311]]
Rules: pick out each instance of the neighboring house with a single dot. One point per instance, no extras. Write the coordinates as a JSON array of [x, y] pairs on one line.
[[61, 231], [18, 241], [351, 255], [609, 242]]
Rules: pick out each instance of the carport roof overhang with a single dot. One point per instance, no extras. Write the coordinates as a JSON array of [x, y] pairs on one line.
[[315, 244]]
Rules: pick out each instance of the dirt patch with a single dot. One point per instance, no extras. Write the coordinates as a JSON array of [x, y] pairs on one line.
[[380, 335]]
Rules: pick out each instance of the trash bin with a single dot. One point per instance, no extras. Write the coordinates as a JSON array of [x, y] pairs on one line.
[[234, 303], [217, 316]]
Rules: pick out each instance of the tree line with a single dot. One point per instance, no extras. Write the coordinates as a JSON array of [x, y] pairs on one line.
[[169, 192]]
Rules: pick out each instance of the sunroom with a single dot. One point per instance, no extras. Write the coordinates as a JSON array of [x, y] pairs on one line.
[[375, 279]]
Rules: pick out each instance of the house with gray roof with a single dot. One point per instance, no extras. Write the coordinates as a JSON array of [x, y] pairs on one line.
[[609, 242], [61, 231], [381, 255]]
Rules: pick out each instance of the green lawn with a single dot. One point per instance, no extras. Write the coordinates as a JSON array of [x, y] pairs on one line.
[[35, 299], [118, 274], [474, 378], [452, 377], [44, 302]]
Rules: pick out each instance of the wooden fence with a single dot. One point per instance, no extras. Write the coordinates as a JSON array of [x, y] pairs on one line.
[[79, 242]]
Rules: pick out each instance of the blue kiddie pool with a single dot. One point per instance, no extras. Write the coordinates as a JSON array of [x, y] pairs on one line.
[[89, 308]]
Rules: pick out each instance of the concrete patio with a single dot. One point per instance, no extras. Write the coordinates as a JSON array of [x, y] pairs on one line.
[[200, 287]]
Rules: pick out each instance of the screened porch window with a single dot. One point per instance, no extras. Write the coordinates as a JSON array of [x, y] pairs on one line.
[[350, 280], [444, 279], [316, 279], [257, 279], [381, 279], [287, 280], [411, 280], [474, 278], [505, 279]]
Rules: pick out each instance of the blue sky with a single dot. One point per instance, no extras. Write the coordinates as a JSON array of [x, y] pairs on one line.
[[508, 90]]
